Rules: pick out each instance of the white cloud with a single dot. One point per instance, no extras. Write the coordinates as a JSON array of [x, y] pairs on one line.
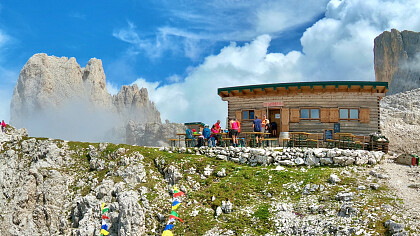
[[197, 25], [277, 16], [111, 88], [7, 79], [196, 98], [141, 83], [3, 38], [337, 47], [174, 79]]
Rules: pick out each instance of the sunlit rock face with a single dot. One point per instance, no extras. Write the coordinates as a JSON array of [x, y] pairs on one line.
[[55, 97], [397, 60]]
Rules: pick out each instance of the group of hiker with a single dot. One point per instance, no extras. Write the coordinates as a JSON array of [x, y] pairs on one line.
[[258, 125], [213, 135]]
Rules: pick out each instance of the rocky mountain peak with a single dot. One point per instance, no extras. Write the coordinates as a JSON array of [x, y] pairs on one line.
[[397, 60], [56, 90]]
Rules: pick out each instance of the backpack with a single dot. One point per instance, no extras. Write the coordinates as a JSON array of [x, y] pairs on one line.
[[189, 133], [206, 133]]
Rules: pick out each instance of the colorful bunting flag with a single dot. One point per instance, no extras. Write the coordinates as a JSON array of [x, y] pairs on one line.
[[175, 205], [104, 226], [105, 210], [169, 227], [170, 221], [180, 193], [167, 233], [174, 215]]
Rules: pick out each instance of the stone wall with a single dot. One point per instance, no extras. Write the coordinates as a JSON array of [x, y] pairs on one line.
[[287, 156]]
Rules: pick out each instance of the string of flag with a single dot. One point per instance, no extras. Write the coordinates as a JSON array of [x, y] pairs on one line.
[[176, 202], [104, 226]]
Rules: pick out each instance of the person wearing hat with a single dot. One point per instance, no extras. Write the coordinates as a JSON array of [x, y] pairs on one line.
[[207, 134]]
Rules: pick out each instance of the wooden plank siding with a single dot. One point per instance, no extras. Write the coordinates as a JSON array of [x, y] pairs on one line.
[[366, 102]]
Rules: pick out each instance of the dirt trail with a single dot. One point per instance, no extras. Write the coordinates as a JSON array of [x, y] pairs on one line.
[[401, 176]]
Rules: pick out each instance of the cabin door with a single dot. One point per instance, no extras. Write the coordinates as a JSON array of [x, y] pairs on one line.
[[274, 116]]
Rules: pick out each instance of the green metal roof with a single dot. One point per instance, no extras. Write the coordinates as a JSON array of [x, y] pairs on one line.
[[194, 123], [301, 84]]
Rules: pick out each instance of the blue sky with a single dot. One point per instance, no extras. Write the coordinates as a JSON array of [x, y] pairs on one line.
[[180, 48]]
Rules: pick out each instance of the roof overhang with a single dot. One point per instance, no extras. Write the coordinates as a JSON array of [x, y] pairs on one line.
[[301, 87]]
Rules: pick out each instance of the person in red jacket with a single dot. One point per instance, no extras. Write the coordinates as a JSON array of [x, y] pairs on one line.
[[3, 126]]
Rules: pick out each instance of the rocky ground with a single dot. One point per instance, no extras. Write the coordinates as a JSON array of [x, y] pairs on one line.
[[404, 181], [55, 187], [400, 121]]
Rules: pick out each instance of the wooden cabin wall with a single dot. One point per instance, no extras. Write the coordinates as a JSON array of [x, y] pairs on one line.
[[315, 100]]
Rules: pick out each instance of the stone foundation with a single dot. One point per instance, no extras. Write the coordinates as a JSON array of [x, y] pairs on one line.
[[286, 156]]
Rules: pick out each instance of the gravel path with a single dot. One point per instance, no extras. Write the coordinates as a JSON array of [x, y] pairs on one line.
[[401, 176]]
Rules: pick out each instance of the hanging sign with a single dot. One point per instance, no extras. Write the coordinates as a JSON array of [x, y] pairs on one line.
[[273, 104]]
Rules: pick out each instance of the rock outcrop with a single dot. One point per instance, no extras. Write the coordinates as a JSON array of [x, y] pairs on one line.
[[55, 97], [44, 191], [152, 134], [397, 60], [400, 121]]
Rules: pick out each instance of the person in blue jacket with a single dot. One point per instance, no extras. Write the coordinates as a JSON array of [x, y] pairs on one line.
[[207, 134]]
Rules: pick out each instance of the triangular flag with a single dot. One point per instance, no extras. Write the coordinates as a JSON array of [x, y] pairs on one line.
[[175, 217], [103, 222], [175, 205], [180, 193], [176, 189], [105, 210], [169, 227], [167, 233], [102, 207], [104, 232], [105, 227], [170, 221], [104, 217]]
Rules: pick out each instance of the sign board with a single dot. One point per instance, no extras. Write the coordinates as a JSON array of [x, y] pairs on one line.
[[273, 104], [328, 134], [277, 116], [336, 127]]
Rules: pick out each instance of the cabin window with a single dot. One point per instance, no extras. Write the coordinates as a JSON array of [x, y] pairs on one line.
[[248, 114], [349, 114], [309, 113]]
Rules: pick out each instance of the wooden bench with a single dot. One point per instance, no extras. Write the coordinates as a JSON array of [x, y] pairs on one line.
[[173, 141], [270, 140], [286, 142], [312, 143], [226, 142], [189, 142]]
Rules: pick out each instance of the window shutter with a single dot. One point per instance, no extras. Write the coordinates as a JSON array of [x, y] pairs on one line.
[[259, 113], [364, 115], [238, 115], [325, 115], [334, 115], [294, 115], [284, 120]]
